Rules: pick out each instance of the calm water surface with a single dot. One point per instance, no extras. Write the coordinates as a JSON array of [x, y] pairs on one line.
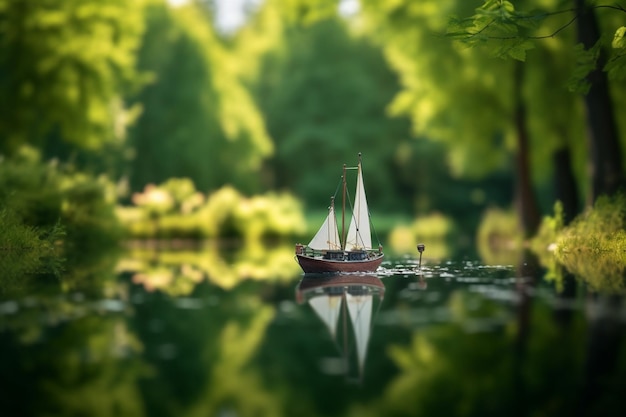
[[189, 337]]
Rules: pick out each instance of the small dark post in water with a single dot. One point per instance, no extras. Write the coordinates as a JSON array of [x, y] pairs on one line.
[[420, 249]]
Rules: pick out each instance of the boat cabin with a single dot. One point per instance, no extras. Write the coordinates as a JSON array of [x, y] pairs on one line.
[[357, 255], [339, 255], [334, 255]]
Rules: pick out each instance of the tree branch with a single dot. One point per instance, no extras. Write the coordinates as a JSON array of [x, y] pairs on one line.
[[556, 32]]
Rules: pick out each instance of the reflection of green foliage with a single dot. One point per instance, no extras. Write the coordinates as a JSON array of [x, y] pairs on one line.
[[233, 385], [442, 378], [179, 272], [87, 365], [460, 369], [176, 210], [112, 349], [201, 356]]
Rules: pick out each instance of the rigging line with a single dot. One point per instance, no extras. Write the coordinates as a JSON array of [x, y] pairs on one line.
[[369, 216], [338, 186]]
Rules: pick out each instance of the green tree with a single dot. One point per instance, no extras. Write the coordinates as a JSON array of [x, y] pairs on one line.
[[323, 91], [64, 68], [198, 120], [510, 33], [486, 108], [480, 115]]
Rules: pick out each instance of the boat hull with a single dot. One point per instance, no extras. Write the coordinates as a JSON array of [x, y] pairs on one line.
[[316, 265]]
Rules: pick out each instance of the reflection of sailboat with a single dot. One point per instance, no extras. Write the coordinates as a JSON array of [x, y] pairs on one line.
[[339, 298], [328, 252]]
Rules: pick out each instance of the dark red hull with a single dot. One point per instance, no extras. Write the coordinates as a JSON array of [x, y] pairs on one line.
[[311, 265]]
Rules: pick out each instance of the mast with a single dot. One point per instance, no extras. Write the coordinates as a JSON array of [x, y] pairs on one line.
[[343, 210], [331, 209]]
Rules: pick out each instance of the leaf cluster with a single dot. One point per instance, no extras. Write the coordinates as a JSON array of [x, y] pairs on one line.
[[592, 246], [508, 33], [171, 211], [63, 67], [45, 195], [27, 249], [498, 26]]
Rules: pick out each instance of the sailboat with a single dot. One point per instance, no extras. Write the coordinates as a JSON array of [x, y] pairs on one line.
[[341, 299], [327, 252]]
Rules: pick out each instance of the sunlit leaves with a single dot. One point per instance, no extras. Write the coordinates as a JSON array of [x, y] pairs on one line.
[[619, 40], [616, 66], [456, 95], [498, 24], [175, 209], [64, 66], [199, 120]]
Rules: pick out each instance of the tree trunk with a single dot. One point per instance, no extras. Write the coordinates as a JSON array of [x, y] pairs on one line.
[[526, 203], [565, 189], [606, 163]]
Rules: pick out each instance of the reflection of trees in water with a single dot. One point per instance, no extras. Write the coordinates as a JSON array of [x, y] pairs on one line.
[[245, 350], [541, 361], [202, 354], [87, 366], [178, 272], [604, 374]]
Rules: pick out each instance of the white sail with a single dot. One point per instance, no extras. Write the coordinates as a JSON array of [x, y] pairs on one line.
[[360, 308], [359, 236], [327, 308], [327, 237]]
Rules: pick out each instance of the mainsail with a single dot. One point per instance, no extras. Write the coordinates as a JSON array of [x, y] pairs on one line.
[[359, 236], [327, 237]]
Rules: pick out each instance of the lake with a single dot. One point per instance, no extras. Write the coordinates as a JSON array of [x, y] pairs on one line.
[[243, 333]]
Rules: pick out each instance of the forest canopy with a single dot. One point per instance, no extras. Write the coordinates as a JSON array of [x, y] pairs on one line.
[[456, 106]]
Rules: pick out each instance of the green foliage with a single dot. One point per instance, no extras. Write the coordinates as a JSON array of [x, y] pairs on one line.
[[457, 96], [592, 246], [434, 230], [323, 91], [586, 61], [619, 40], [45, 195], [499, 23], [600, 229], [616, 66], [26, 249], [498, 237], [198, 120], [550, 28], [64, 66], [549, 229], [171, 211]]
